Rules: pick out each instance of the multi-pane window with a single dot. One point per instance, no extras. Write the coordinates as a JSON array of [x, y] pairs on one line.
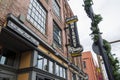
[[37, 15], [50, 66], [42, 63], [56, 7], [60, 71], [56, 34]]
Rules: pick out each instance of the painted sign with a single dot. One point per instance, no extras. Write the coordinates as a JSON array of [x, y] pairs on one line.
[[75, 54], [75, 51], [74, 38], [75, 47], [22, 33], [71, 19]]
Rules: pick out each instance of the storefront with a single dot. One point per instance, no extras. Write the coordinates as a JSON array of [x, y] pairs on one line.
[[16, 40], [23, 58]]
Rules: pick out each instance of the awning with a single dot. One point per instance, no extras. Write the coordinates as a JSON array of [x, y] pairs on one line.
[[16, 36]]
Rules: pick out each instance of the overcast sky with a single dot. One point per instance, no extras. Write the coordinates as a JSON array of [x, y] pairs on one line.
[[110, 26]]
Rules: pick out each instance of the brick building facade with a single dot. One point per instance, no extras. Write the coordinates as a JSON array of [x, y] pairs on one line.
[[33, 41], [89, 66]]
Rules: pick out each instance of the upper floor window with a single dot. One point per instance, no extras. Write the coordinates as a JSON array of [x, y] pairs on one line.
[[56, 35], [56, 7], [37, 15]]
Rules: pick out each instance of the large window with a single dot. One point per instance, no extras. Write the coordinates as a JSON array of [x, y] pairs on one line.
[[51, 66], [56, 34], [37, 15], [45, 64], [56, 7], [60, 71], [42, 63]]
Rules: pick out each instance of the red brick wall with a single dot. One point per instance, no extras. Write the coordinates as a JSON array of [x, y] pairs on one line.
[[18, 7], [90, 66]]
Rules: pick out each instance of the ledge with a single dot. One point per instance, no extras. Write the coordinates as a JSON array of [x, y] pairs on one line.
[[39, 72], [14, 24], [8, 68]]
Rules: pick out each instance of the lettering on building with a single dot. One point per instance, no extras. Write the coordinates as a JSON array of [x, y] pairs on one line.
[[75, 47]]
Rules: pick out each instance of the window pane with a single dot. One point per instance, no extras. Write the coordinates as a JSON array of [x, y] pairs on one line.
[[45, 66], [38, 13], [40, 62], [57, 70], [2, 61], [64, 73], [50, 66], [61, 72]]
